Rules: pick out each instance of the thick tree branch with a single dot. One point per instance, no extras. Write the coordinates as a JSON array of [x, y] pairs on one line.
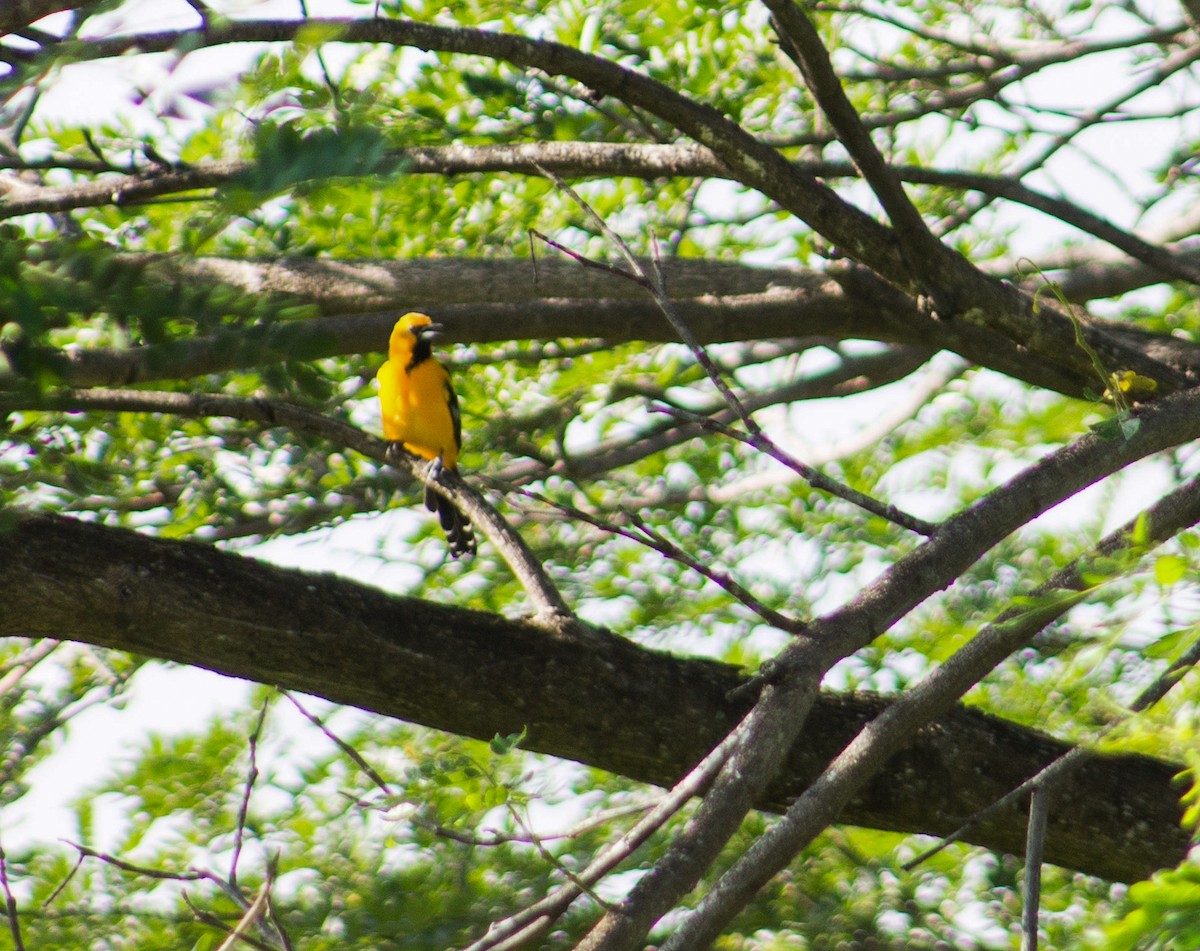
[[719, 302], [607, 702], [799, 40], [818, 807], [791, 681], [960, 292], [573, 160], [550, 609], [16, 14]]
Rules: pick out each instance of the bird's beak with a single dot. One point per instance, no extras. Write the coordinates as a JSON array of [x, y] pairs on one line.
[[431, 330]]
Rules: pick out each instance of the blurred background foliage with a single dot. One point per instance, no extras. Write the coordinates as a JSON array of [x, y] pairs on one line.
[[461, 835]]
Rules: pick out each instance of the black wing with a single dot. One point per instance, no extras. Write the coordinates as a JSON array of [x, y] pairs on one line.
[[455, 412]]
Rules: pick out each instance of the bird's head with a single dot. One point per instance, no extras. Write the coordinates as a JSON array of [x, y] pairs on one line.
[[411, 330]]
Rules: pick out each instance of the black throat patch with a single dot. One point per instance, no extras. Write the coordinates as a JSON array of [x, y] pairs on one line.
[[422, 351]]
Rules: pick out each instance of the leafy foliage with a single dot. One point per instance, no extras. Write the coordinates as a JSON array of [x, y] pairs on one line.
[[450, 835]]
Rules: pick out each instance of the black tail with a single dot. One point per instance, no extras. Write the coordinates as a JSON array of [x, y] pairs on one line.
[[459, 533]]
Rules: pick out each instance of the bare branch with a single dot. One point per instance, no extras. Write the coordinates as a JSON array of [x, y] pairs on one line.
[[253, 917], [1039, 814], [852, 376], [564, 159], [534, 921], [792, 679], [1074, 758], [814, 477], [717, 302], [551, 609], [610, 703], [1176, 62], [11, 912], [820, 803], [341, 744], [239, 831], [800, 41], [654, 281], [191, 875], [645, 535]]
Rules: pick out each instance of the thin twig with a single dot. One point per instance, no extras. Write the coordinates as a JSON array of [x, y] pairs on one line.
[[664, 546], [65, 882], [814, 477], [499, 838], [229, 887], [191, 875], [527, 925], [341, 744], [655, 283], [553, 860], [244, 808], [207, 918], [645, 535], [253, 916], [16, 670], [272, 916], [1178, 61], [203, 10], [658, 436], [583, 259], [10, 904]]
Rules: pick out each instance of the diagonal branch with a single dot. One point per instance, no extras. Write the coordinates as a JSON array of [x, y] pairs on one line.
[[1071, 760], [799, 40], [533, 922], [814, 477], [768, 730], [609, 703], [647, 536], [820, 804], [653, 280], [550, 607]]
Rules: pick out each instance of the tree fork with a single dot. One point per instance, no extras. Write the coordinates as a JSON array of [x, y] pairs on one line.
[[605, 702]]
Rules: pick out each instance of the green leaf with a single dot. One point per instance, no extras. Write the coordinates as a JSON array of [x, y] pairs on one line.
[[504, 745], [1169, 569], [286, 156]]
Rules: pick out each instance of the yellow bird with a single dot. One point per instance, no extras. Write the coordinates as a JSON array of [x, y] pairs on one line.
[[420, 410]]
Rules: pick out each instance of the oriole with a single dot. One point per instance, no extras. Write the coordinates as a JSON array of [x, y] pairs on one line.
[[420, 410]]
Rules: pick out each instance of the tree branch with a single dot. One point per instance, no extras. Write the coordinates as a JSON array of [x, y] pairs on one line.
[[16, 14], [883, 737], [961, 291], [567, 160], [608, 703], [719, 302], [551, 610], [791, 680], [799, 40]]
